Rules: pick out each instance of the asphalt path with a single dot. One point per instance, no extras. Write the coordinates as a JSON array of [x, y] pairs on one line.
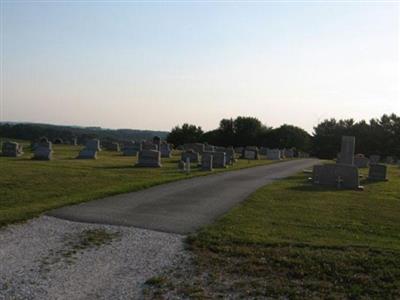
[[182, 206]]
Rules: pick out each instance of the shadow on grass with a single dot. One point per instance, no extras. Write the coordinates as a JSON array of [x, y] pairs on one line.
[[116, 167], [310, 187]]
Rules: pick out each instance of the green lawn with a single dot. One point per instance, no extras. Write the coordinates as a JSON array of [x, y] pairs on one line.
[[28, 187], [294, 240]]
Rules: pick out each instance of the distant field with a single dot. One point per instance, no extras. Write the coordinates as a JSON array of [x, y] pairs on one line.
[[28, 188], [293, 240]]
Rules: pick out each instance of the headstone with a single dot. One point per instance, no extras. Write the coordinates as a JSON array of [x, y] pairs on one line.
[[377, 172], [301, 154], [110, 146], [131, 149], [149, 159], [187, 165], [165, 150], [197, 147], [347, 150], [193, 156], [336, 175], [250, 153], [374, 159], [93, 144], [207, 161], [11, 149], [44, 151], [148, 145], [90, 150], [209, 148], [74, 142], [263, 151], [360, 161], [239, 150], [157, 142], [288, 153], [389, 160], [87, 154], [219, 159], [219, 149], [273, 154], [230, 155]]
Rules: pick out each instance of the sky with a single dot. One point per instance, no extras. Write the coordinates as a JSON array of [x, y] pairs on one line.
[[155, 65]]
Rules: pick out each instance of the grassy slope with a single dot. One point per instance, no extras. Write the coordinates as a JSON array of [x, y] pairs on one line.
[[292, 239], [28, 188]]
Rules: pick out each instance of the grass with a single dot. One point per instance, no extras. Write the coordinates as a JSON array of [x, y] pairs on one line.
[[294, 240], [77, 243], [29, 187]]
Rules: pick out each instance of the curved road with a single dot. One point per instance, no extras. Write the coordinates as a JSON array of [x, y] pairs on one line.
[[182, 206]]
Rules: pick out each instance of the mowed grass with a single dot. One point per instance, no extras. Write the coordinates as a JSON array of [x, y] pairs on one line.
[[294, 240], [29, 187]]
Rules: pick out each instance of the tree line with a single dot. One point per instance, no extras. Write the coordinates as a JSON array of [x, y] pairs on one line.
[[31, 131], [377, 136]]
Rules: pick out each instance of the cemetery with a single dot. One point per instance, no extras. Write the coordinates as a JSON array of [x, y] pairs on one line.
[[222, 149], [144, 164]]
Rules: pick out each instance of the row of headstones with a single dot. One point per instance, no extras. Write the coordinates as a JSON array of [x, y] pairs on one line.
[[43, 150], [249, 152], [253, 152], [345, 173], [56, 141], [361, 161], [220, 157]]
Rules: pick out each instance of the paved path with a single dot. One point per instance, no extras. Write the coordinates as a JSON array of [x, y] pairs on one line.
[[183, 206]]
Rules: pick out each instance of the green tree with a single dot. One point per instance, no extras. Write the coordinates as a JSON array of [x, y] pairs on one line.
[[186, 134]]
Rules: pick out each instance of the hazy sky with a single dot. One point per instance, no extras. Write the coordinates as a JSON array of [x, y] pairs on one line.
[[158, 64]]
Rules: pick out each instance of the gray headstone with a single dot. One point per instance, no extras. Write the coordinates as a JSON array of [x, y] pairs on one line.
[[149, 158], [239, 150], [336, 175], [377, 172], [303, 154], [11, 149], [360, 161], [207, 161], [93, 144], [263, 151], [131, 149], [219, 159], [44, 151], [250, 152], [87, 154], [209, 148], [230, 155], [288, 153], [374, 159], [165, 150], [110, 146], [193, 156], [148, 145], [347, 150], [197, 147], [274, 154]]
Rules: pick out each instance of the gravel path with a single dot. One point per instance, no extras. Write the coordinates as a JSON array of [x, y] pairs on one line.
[[50, 258]]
